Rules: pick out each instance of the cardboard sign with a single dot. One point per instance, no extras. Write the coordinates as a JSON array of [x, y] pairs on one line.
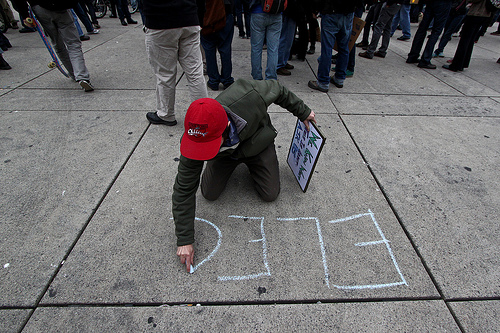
[[357, 26], [304, 152]]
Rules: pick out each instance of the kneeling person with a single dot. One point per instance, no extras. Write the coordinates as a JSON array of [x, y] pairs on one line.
[[231, 129]]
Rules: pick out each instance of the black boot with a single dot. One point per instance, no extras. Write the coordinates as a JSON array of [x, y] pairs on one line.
[[3, 63]]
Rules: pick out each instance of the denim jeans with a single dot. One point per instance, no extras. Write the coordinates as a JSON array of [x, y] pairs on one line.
[[438, 11], [402, 18], [452, 25], [221, 41], [334, 27], [265, 27], [286, 40]]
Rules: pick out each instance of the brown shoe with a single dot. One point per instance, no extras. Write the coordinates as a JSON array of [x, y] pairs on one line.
[[283, 71], [288, 66]]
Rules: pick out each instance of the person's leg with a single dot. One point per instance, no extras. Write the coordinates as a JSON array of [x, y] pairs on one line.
[[343, 36], [451, 25], [83, 17], [258, 30], [69, 34], [247, 17], [420, 35], [404, 20], [45, 17], [191, 61], [209, 43], [441, 12], [286, 40], [215, 176], [273, 32], [313, 26], [386, 33], [329, 30], [162, 49], [264, 169], [368, 23], [77, 24], [395, 22], [386, 15], [225, 41], [238, 11], [467, 37]]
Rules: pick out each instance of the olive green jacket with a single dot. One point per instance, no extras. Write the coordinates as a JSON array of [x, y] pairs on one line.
[[246, 102]]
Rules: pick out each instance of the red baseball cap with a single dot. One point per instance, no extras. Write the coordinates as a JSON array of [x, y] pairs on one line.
[[204, 124]]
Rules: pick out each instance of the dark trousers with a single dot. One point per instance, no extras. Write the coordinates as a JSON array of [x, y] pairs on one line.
[[263, 168], [313, 26], [469, 32], [122, 9], [371, 18], [438, 11], [219, 41]]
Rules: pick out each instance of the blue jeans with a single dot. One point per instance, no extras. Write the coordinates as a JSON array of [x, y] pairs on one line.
[[286, 40], [452, 25], [265, 27], [221, 41], [438, 11], [402, 18], [334, 27]]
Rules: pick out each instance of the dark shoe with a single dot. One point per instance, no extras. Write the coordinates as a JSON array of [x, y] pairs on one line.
[[86, 86], [362, 44], [123, 22], [426, 66], [283, 71], [131, 21], [288, 66], [403, 38], [338, 85], [96, 25], [26, 30], [113, 16], [311, 50], [498, 61], [13, 25], [379, 54], [228, 85], [84, 38], [214, 87], [448, 67], [365, 55], [3, 64], [314, 85], [412, 61], [154, 119]]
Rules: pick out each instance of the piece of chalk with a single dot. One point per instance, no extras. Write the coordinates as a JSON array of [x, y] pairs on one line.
[[191, 269]]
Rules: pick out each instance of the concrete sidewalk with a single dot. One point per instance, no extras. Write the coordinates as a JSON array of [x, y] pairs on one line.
[[398, 231]]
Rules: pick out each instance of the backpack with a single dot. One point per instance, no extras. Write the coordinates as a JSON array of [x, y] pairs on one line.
[[492, 5], [274, 6], [215, 17]]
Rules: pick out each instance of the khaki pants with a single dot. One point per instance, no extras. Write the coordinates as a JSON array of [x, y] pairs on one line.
[[165, 48], [263, 168]]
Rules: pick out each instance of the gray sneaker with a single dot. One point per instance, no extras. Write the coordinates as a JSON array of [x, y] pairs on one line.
[[86, 86]]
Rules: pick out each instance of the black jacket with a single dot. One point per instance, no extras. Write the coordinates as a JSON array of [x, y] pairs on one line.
[[54, 5], [170, 14], [337, 6]]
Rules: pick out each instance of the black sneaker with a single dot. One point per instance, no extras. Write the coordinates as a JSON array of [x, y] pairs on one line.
[[84, 38], [131, 21], [154, 119]]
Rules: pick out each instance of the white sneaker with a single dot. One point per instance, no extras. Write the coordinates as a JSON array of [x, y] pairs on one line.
[[86, 86], [93, 32]]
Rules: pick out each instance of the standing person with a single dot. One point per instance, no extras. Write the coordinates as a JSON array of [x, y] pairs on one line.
[[219, 41], [436, 11], [57, 22], [402, 19], [336, 25], [370, 20], [241, 10], [287, 35], [173, 35], [382, 29], [11, 21], [452, 25], [232, 129], [123, 12], [21, 6], [264, 27], [477, 15]]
